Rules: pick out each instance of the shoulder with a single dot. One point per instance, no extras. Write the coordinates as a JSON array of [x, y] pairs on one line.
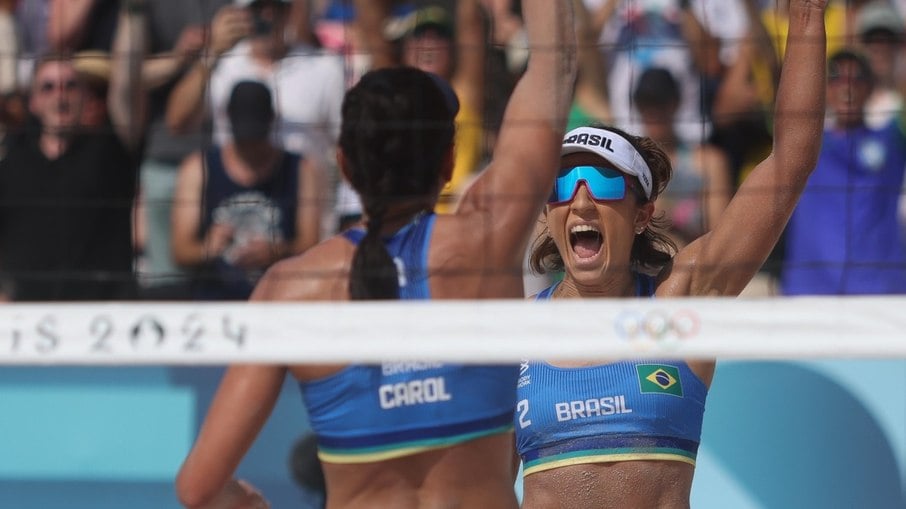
[[465, 228], [319, 273]]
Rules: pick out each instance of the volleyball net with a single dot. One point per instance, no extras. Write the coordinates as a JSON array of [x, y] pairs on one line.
[[488, 331]]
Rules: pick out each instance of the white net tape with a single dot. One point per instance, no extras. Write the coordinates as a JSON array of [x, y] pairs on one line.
[[463, 331]]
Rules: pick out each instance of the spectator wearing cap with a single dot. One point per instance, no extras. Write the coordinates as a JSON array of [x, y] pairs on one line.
[[429, 38], [843, 237], [243, 205], [679, 35], [307, 84], [880, 30], [66, 193]]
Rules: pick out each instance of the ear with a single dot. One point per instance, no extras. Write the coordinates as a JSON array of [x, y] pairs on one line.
[[643, 216]]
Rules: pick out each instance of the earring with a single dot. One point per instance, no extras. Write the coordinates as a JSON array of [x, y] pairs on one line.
[[639, 230]]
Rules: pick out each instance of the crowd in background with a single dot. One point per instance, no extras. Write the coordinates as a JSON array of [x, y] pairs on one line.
[[171, 150]]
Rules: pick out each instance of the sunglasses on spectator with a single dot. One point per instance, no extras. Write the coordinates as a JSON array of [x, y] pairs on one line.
[[48, 86], [603, 184]]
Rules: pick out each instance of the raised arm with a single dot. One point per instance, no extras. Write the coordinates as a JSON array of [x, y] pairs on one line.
[[704, 46], [162, 68], [186, 105], [591, 82], [370, 18], [126, 99], [468, 81], [66, 22], [512, 190], [724, 261]]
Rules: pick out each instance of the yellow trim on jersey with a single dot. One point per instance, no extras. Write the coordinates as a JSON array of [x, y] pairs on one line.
[[364, 456], [607, 458], [376, 456]]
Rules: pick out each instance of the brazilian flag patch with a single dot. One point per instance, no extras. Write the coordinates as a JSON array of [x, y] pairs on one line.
[[659, 379]]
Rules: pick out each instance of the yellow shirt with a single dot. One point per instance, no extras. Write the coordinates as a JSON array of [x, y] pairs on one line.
[[778, 26], [467, 156]]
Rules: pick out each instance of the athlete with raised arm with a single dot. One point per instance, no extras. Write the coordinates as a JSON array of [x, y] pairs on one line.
[[408, 435]]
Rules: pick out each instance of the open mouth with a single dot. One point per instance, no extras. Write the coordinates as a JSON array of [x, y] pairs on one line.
[[585, 240]]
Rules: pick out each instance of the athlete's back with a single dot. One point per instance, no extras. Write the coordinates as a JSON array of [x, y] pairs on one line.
[[396, 150]]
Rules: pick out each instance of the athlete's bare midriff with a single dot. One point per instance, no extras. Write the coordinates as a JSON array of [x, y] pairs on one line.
[[474, 474], [618, 485]]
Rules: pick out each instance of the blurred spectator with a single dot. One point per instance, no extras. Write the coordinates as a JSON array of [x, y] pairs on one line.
[[508, 32], [66, 192], [744, 100], [843, 237], [336, 28], [241, 206], [176, 34], [679, 35], [880, 31], [701, 186], [430, 39], [31, 21], [248, 43], [590, 102]]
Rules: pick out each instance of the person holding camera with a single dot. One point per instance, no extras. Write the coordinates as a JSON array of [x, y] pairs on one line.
[[248, 42]]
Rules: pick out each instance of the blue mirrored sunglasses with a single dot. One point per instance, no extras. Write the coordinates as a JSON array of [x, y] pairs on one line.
[[603, 184]]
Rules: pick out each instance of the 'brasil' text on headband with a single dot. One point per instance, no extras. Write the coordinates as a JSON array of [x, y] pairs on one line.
[[612, 147]]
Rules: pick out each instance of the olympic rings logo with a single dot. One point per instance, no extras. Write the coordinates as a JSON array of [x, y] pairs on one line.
[[658, 326]]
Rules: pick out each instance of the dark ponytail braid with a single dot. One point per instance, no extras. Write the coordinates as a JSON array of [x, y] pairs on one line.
[[397, 129]]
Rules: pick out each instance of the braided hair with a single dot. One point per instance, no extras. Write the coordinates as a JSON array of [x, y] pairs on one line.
[[397, 129]]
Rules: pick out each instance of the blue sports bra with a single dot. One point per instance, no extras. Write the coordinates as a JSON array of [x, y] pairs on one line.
[[367, 413], [623, 411]]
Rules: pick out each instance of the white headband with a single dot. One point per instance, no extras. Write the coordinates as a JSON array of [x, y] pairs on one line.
[[611, 146]]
